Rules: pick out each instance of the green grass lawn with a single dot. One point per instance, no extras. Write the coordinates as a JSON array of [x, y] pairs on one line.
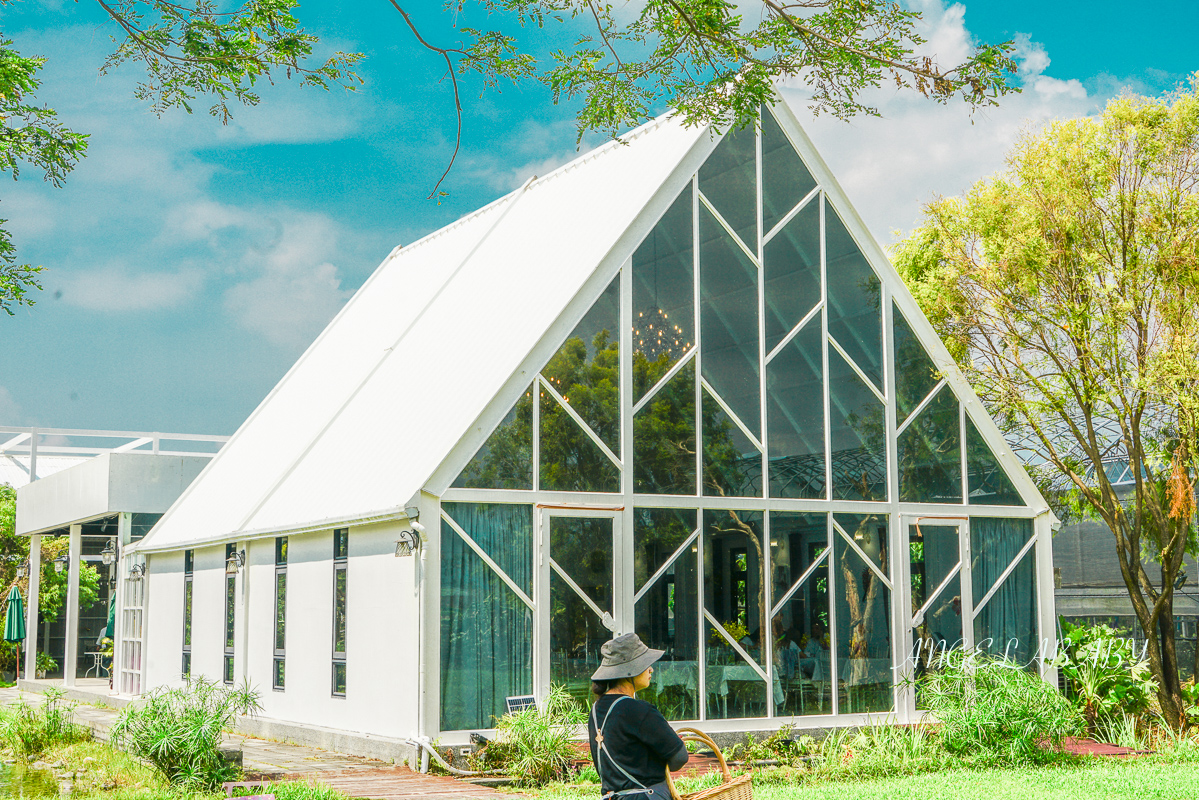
[[1095, 780], [102, 772]]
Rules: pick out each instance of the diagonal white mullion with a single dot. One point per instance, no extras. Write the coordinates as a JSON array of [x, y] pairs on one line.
[[923, 403], [665, 379], [919, 617], [782, 223], [795, 586], [869, 561], [575, 416], [869, 383], [582, 594], [473, 545], [752, 256], [720, 401], [1004, 576], [736, 645], [794, 331], [662, 569]]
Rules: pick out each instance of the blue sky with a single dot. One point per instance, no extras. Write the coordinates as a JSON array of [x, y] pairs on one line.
[[188, 264]]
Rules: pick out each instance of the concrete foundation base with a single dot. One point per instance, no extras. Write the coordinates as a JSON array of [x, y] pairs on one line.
[[363, 745]]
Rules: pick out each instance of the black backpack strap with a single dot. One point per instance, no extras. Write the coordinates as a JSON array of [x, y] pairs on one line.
[[601, 749]]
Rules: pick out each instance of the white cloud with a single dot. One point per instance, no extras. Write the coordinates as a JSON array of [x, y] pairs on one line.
[[505, 168], [295, 289], [115, 289], [891, 165]]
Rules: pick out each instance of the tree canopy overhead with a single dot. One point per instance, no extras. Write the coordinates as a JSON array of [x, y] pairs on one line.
[[1067, 288], [713, 60]]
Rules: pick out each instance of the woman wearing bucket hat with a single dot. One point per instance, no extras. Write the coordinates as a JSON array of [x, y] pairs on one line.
[[632, 744]]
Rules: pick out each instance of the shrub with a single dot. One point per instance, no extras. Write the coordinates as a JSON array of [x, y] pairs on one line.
[[536, 746], [28, 730], [877, 751], [179, 730], [1104, 675], [994, 710], [44, 663]]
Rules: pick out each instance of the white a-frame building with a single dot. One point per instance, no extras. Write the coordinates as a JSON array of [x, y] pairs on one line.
[[673, 387]]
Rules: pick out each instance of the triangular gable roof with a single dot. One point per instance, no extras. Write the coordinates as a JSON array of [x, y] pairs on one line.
[[366, 415], [404, 385]]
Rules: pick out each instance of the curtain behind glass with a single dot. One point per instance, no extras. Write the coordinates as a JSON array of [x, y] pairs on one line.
[[486, 630], [1009, 619]]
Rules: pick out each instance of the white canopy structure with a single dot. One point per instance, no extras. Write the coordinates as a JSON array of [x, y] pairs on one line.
[[674, 387]]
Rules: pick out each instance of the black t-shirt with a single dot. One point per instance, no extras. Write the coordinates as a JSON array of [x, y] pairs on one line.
[[638, 738]]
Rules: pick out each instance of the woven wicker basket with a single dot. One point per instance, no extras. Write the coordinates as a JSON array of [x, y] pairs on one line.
[[739, 788]]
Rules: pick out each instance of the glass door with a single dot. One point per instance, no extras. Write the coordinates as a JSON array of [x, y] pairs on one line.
[[581, 580], [939, 580]]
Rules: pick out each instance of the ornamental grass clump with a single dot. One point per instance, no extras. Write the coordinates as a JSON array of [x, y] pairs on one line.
[[537, 745], [179, 730], [29, 730], [992, 710]]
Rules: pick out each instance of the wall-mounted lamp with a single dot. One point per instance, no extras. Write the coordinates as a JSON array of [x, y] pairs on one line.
[[235, 562], [61, 562], [109, 553], [407, 543], [410, 541], [23, 569], [137, 572]]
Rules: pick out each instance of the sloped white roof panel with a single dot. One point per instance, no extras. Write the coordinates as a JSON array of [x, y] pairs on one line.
[[296, 412], [14, 470], [355, 429]]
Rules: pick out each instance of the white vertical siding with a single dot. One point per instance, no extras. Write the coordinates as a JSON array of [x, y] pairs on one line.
[[381, 634]]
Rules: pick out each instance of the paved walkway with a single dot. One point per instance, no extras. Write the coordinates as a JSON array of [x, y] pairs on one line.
[[263, 759]]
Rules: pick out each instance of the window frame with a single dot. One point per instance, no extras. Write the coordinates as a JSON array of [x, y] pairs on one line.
[[189, 566], [341, 557], [279, 662], [229, 646]]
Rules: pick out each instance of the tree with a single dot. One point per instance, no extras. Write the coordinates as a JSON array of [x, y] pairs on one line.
[[699, 56], [1067, 289]]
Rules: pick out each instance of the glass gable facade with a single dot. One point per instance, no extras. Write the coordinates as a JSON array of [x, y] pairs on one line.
[[737, 453]]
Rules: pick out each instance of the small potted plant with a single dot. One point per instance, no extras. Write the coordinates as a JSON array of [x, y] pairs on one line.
[[45, 664]]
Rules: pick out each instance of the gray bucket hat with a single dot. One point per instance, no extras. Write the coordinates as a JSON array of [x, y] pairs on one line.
[[625, 657]]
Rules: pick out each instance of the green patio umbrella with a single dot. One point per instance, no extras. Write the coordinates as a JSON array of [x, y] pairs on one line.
[[112, 616], [14, 622]]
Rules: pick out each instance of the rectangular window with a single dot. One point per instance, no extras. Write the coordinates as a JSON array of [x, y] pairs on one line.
[[188, 568], [280, 611], [341, 552], [230, 602]]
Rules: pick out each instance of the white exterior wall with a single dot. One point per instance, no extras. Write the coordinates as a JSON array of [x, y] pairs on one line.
[[208, 615], [381, 634], [163, 650]]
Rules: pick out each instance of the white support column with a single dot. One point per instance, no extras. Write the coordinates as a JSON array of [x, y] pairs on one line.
[[70, 655], [124, 538], [35, 576], [1047, 610]]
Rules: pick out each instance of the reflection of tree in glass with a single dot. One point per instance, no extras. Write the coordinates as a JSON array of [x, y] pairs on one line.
[[930, 454], [570, 460], [664, 431], [506, 460], [860, 473], [728, 472]]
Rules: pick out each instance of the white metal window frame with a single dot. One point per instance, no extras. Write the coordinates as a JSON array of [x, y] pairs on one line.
[[544, 565], [893, 295], [132, 668]]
